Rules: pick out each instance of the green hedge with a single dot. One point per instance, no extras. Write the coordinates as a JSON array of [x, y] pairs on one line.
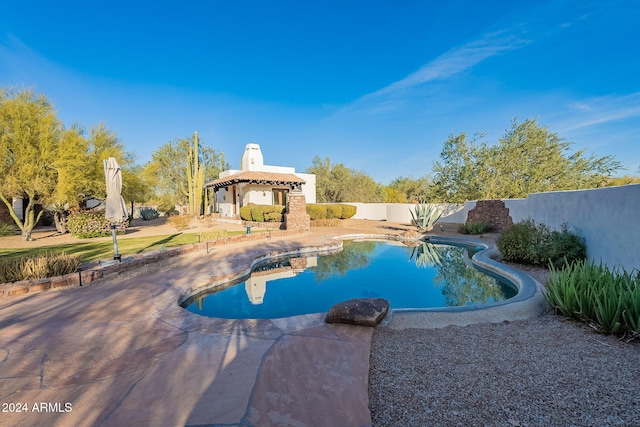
[[262, 213], [330, 211], [92, 224], [316, 211]]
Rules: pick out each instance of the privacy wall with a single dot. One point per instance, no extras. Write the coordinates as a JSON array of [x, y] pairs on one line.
[[608, 218]]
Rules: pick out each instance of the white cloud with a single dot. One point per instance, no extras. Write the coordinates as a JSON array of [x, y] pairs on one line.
[[605, 109], [456, 61]]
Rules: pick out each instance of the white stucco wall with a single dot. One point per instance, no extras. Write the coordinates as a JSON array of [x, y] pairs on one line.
[[17, 205], [309, 187], [607, 218], [400, 212]]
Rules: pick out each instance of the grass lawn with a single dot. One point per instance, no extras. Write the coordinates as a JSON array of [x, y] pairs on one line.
[[95, 250]]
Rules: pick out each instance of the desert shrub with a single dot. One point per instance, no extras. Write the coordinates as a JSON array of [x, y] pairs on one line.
[[316, 211], [168, 209], [147, 214], [326, 222], [597, 295], [334, 211], [6, 229], [536, 244], [473, 228], [88, 224], [180, 222], [38, 267], [348, 211], [564, 246], [209, 235]]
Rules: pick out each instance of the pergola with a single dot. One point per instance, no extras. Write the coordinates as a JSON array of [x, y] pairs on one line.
[[262, 178]]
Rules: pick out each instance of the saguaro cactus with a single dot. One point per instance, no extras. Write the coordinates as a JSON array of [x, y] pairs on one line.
[[195, 178]]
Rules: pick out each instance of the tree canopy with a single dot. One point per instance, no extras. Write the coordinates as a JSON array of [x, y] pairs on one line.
[[337, 183], [47, 164], [528, 158], [167, 170]]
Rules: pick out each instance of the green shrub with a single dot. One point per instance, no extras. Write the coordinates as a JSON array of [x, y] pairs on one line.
[[147, 214], [262, 213], [596, 294], [38, 267], [274, 213], [245, 213], [89, 224], [564, 246], [529, 243], [6, 229], [317, 211], [334, 211], [473, 228], [348, 211]]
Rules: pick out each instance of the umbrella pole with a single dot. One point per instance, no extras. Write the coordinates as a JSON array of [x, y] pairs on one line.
[[116, 255]]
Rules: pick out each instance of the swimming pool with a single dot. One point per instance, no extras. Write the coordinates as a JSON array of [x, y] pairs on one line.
[[417, 277]]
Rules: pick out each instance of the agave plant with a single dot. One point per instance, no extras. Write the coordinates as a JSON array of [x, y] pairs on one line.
[[425, 216]]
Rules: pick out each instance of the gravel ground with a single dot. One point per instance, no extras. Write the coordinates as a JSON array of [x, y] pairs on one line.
[[545, 371]]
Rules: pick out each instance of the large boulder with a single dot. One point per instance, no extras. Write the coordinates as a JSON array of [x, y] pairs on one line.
[[359, 311]]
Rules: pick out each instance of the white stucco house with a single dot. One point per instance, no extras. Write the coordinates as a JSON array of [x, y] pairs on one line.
[[259, 184]]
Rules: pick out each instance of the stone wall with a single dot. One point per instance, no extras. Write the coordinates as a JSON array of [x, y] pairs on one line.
[[492, 213], [296, 217]]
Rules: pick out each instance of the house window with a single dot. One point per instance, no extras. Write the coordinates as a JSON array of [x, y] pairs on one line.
[[280, 196]]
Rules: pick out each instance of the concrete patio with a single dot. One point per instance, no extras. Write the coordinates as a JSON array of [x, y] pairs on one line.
[[122, 352]]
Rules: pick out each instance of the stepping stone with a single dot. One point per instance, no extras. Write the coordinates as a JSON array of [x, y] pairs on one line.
[[359, 311]]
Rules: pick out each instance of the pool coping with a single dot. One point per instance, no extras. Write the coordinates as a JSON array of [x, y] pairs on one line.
[[528, 302]]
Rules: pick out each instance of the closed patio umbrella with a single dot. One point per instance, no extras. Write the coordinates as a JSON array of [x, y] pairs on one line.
[[115, 210]]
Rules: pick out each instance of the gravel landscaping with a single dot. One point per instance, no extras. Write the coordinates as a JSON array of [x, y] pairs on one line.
[[545, 371]]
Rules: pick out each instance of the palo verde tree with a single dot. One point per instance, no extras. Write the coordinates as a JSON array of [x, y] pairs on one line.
[[408, 189], [337, 183], [47, 165], [459, 176], [167, 170], [529, 158], [31, 141], [82, 174]]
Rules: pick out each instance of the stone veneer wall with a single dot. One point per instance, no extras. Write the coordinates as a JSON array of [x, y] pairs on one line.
[[296, 217], [492, 213]]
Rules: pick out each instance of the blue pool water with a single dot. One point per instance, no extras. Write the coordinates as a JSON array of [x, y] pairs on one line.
[[426, 276]]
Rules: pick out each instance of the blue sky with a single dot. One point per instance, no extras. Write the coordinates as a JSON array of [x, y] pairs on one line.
[[376, 85]]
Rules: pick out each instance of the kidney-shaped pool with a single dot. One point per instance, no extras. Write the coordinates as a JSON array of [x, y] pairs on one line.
[[409, 277]]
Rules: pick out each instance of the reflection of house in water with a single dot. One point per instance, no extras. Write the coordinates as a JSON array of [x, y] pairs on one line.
[[256, 284]]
